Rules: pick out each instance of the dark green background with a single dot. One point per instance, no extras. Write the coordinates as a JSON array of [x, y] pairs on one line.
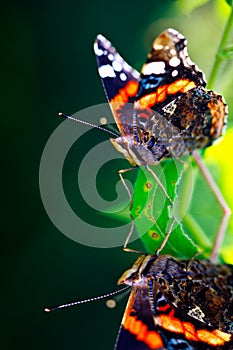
[[48, 65]]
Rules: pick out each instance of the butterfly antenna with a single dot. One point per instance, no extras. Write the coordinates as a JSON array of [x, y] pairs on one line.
[[87, 123], [63, 306]]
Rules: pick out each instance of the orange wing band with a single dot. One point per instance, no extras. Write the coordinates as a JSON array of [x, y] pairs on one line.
[[123, 95], [214, 338], [135, 326], [181, 85]]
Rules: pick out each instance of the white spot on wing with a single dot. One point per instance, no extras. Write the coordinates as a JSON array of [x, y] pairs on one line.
[[197, 313], [173, 31], [123, 76], [153, 67], [189, 61], [180, 36], [100, 37], [185, 51], [106, 71], [97, 50], [174, 61], [108, 49], [174, 73], [117, 66], [157, 46]]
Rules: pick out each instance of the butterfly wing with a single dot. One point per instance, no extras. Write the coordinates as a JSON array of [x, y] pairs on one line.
[[207, 297], [138, 331], [120, 82], [168, 70], [167, 73]]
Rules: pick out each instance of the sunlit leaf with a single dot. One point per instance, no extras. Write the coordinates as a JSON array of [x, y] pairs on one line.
[[152, 211]]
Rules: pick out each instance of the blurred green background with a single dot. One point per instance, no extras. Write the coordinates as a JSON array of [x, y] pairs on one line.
[[48, 65]]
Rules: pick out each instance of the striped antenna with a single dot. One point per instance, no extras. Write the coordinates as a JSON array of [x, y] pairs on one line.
[[87, 123], [63, 306]]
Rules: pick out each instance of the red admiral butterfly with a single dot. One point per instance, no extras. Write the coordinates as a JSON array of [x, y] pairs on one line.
[[164, 112], [174, 304], [168, 97], [177, 304]]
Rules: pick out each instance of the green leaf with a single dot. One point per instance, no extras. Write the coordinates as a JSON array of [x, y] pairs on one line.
[[195, 204], [152, 211]]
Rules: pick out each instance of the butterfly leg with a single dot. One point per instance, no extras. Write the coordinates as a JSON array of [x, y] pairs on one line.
[[159, 184], [120, 172], [131, 203], [129, 250], [223, 204], [168, 233]]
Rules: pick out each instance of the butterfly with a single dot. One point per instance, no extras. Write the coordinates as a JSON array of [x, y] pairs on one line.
[[165, 111], [177, 304]]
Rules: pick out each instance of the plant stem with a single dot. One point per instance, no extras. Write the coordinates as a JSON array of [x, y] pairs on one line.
[[197, 233], [218, 58]]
